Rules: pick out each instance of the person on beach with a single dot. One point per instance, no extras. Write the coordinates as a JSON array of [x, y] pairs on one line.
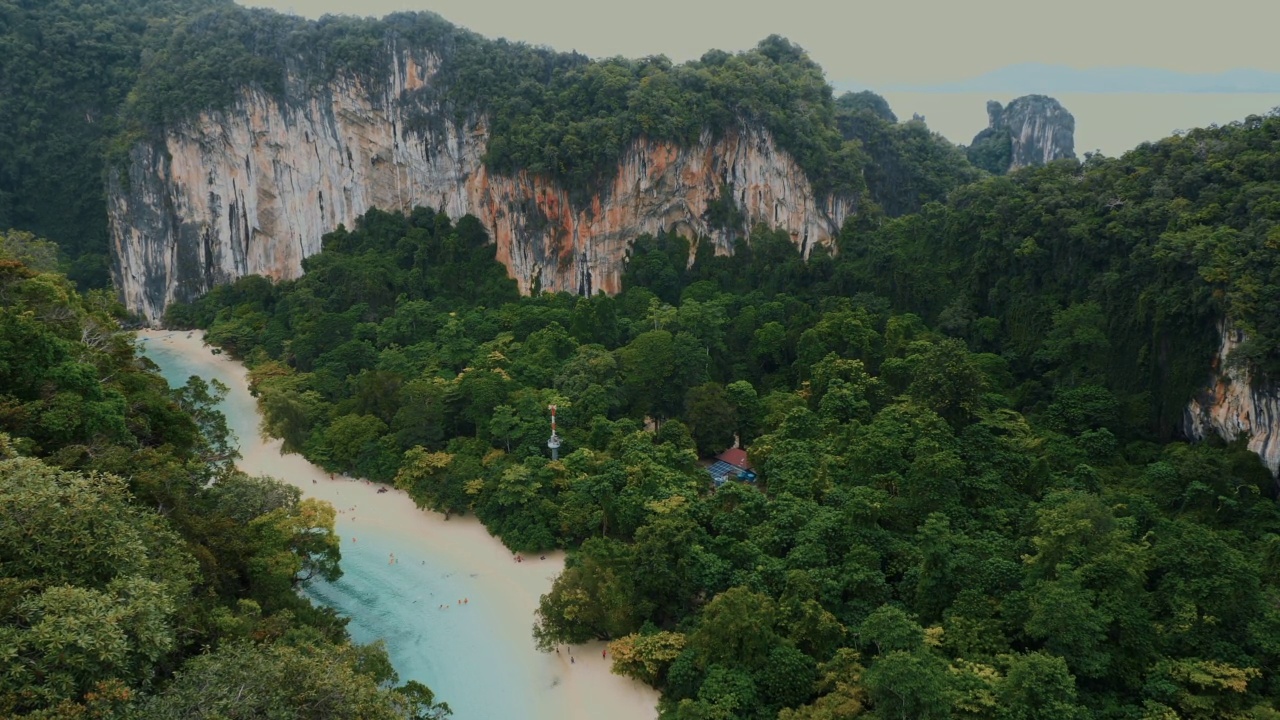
[[602, 652]]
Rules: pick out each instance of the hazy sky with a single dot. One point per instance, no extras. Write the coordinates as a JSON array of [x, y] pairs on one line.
[[877, 42]]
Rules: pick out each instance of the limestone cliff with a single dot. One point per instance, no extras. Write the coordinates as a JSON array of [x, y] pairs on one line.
[[251, 190], [1232, 408], [1030, 130]]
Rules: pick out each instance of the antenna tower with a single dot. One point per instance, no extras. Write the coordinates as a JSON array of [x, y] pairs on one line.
[[554, 441]]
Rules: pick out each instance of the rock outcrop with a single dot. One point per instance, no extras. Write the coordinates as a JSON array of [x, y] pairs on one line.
[[1231, 407], [251, 190], [1030, 130]]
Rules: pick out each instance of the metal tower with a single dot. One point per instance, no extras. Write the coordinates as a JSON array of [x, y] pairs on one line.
[[554, 441]]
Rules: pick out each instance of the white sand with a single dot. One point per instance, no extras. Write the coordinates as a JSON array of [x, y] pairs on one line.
[[590, 690]]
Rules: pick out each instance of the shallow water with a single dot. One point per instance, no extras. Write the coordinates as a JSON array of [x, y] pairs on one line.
[[477, 657], [454, 650]]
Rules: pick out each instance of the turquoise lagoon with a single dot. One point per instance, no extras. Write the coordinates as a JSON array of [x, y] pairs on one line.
[[476, 656]]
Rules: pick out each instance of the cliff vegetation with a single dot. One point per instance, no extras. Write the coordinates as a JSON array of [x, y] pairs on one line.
[[83, 83], [555, 114]]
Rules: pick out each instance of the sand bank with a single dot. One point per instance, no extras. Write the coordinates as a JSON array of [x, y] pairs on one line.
[[455, 556]]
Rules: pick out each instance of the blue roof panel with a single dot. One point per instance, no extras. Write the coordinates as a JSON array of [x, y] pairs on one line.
[[723, 469]]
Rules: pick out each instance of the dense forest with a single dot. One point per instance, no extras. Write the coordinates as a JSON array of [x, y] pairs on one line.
[[66, 70], [971, 497], [82, 82], [969, 500], [141, 574]]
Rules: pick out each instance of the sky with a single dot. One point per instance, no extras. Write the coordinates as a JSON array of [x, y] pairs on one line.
[[876, 42]]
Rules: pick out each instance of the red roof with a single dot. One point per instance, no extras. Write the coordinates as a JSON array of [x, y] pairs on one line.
[[736, 457]]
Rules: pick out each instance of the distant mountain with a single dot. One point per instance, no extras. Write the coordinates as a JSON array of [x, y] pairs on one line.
[[1041, 78]]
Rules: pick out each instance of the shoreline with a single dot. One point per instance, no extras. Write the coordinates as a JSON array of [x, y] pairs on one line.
[[587, 690]]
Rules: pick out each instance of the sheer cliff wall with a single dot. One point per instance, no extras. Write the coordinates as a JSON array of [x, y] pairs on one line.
[[1232, 406], [253, 188]]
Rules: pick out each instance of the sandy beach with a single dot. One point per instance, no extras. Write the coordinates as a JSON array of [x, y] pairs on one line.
[[505, 590]]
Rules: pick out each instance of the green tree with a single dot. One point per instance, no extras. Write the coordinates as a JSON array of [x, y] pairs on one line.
[[948, 382], [96, 598], [645, 657], [1076, 348], [906, 685], [737, 630], [243, 680], [349, 438], [1037, 686], [747, 410], [889, 629], [425, 476], [593, 598], [711, 416]]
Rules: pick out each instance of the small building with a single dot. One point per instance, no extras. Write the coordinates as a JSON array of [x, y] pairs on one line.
[[732, 464]]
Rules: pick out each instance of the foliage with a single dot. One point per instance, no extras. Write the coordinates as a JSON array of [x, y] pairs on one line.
[[969, 501], [131, 549], [646, 657], [905, 165], [992, 150], [1114, 273], [66, 68], [941, 526], [554, 114], [92, 584], [242, 681]]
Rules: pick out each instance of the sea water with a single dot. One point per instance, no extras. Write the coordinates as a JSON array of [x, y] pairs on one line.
[[467, 654]]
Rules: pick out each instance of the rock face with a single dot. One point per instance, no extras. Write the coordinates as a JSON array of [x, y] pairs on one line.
[[1036, 128], [251, 190], [1231, 407]]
